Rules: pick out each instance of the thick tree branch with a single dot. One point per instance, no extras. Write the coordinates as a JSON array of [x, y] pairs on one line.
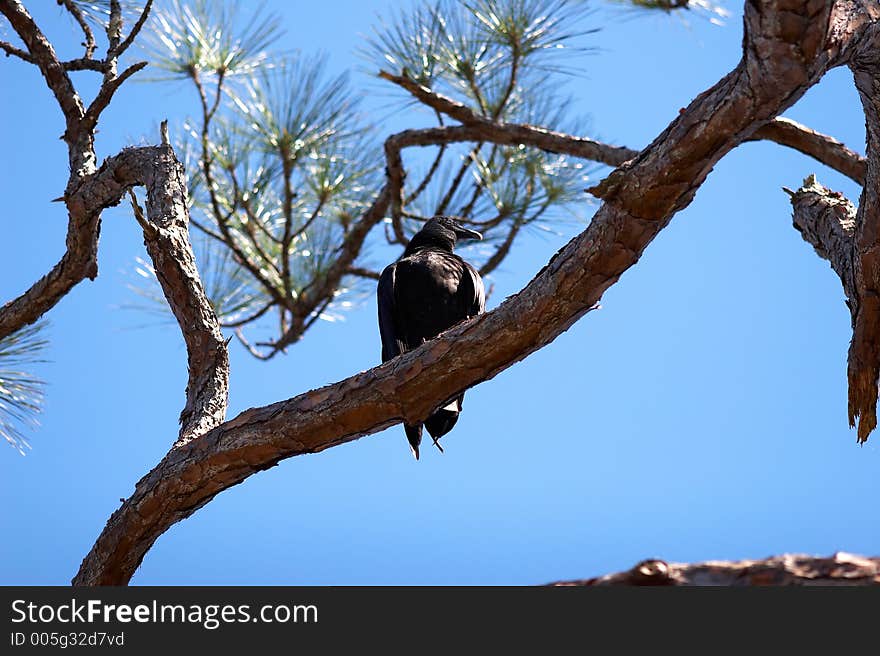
[[820, 147], [783, 131], [787, 47], [790, 569], [864, 351], [78, 262], [166, 236], [167, 240], [43, 55], [827, 221], [514, 133], [481, 129]]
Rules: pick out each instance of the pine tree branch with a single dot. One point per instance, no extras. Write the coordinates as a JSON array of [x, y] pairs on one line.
[[554, 142], [105, 94], [783, 131], [313, 297], [80, 258], [787, 47], [74, 11], [502, 250], [11, 50], [135, 30], [166, 237], [822, 148], [360, 272]]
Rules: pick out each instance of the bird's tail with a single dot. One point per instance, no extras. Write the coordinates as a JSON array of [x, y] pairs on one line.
[[414, 436], [444, 419]]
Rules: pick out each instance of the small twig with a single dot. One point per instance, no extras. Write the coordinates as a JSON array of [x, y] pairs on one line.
[[317, 314], [89, 44], [248, 319], [456, 183], [432, 170], [252, 218], [207, 171], [823, 148], [363, 273], [210, 233], [308, 224], [502, 250], [10, 49]]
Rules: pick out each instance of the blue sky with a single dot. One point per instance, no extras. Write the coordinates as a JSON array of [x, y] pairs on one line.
[[700, 414]]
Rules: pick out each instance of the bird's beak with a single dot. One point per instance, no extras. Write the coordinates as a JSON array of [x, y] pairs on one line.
[[464, 233]]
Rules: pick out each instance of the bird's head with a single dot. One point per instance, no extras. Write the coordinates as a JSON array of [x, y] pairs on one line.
[[441, 232]]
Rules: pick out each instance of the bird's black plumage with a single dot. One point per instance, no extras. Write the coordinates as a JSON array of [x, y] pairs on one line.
[[426, 291]]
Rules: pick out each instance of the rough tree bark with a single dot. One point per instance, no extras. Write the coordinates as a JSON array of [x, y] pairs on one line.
[[864, 352], [790, 569], [84, 217], [788, 45], [166, 237]]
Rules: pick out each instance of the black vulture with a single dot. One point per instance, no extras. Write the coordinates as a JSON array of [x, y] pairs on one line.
[[426, 291]]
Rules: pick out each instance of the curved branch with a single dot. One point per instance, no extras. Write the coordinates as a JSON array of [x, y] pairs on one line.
[[167, 240], [783, 131], [166, 237], [643, 195], [84, 213], [820, 147], [361, 272], [89, 44], [78, 262], [502, 250], [554, 142]]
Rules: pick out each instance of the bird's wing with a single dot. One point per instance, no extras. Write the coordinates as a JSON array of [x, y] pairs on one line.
[[392, 345], [479, 304]]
